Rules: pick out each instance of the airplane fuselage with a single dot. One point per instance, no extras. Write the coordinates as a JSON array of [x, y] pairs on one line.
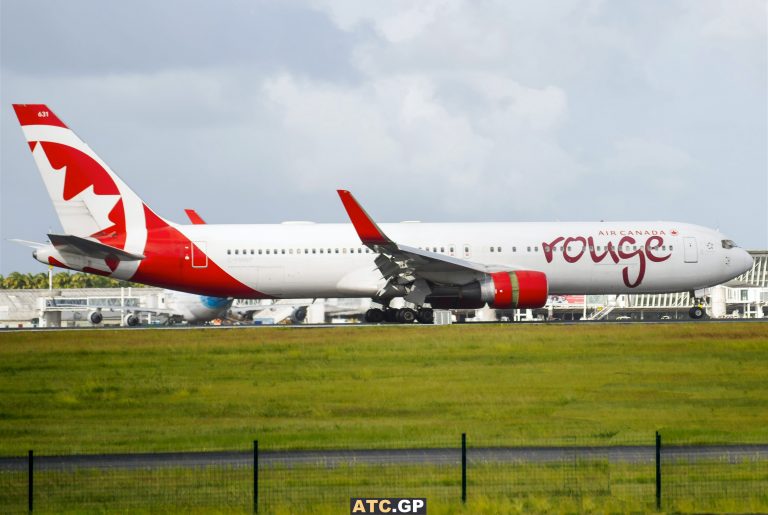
[[293, 260]]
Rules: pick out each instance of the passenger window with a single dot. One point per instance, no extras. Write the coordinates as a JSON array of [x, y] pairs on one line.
[[267, 251], [529, 249], [514, 249], [237, 251], [670, 247], [282, 251], [491, 249], [229, 251], [498, 249]]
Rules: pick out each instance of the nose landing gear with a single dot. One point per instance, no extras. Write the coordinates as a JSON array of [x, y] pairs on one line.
[[696, 312]]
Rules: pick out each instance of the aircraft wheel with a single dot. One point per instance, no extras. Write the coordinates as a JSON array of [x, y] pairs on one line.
[[426, 316], [696, 312], [390, 315], [406, 316], [374, 316]]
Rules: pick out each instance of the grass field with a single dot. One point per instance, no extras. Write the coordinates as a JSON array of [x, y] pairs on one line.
[[581, 486], [131, 391]]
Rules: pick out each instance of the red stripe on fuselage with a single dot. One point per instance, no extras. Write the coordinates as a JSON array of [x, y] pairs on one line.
[[168, 264]]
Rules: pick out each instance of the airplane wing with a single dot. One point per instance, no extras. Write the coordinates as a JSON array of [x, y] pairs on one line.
[[403, 265], [90, 247]]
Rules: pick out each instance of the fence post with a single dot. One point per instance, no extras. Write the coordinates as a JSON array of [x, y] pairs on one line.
[[255, 476], [658, 471], [464, 467], [31, 480]]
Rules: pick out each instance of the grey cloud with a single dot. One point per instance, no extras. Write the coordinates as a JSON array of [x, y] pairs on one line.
[[256, 111], [89, 37]]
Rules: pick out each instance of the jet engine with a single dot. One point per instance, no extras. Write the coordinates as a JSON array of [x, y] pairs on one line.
[[522, 289], [299, 315], [131, 320], [95, 317]]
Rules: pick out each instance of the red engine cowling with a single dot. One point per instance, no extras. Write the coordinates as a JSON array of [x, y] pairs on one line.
[[522, 289]]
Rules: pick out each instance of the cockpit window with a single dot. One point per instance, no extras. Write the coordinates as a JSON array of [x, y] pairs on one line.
[[728, 244]]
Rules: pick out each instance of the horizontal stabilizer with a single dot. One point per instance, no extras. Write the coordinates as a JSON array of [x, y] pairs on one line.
[[90, 247], [31, 244]]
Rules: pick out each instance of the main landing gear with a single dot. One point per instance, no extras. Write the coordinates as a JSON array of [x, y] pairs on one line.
[[399, 316]]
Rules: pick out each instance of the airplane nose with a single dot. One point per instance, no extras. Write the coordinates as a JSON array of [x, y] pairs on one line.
[[745, 261]]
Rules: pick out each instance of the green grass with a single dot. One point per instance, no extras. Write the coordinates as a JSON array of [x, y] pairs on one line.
[[129, 391], [567, 486]]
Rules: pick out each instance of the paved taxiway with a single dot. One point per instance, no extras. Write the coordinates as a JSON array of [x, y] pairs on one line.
[[631, 454]]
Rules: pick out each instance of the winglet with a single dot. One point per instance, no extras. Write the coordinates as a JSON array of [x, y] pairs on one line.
[[366, 228], [194, 217]]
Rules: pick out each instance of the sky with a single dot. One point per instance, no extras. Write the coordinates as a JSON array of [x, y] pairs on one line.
[[438, 110]]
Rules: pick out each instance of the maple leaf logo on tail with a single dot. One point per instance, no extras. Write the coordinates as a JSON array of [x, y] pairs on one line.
[[89, 198]]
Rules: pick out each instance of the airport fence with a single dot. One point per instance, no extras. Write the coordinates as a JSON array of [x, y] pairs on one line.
[[457, 475]]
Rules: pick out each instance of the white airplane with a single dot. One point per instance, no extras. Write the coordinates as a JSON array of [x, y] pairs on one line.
[[109, 230]]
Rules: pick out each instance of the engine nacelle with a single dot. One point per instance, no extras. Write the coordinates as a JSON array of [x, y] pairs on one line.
[[131, 320], [299, 315], [95, 317], [522, 289]]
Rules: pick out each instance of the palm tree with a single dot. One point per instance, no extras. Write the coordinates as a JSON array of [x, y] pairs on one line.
[[15, 280], [39, 280], [79, 280], [62, 280]]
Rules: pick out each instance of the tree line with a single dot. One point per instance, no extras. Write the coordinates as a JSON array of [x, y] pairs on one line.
[[20, 281]]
